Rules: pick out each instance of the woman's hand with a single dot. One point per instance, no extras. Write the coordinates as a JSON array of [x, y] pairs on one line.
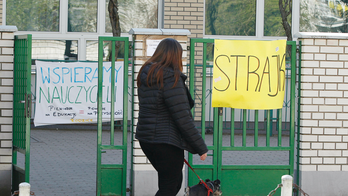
[[203, 156]]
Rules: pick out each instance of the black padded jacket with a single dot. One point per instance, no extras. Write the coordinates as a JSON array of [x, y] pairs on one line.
[[164, 114]]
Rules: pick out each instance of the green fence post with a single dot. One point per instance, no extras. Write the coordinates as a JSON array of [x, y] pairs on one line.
[[21, 108]]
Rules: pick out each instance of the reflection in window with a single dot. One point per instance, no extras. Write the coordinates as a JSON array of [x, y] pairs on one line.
[[236, 17], [134, 14], [92, 51], [54, 49], [273, 20], [82, 16], [33, 15], [323, 16]]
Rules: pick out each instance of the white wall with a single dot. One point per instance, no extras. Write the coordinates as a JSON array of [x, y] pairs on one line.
[[324, 113], [6, 106]]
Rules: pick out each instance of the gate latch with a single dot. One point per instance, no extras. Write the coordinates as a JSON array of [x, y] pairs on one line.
[[220, 111], [28, 105]]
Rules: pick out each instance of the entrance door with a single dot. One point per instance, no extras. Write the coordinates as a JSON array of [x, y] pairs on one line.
[[21, 110], [249, 150], [112, 174]]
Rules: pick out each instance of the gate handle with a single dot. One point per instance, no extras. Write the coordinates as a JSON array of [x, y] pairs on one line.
[[27, 106]]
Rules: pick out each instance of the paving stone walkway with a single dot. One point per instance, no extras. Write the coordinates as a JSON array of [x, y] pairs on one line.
[[63, 162]]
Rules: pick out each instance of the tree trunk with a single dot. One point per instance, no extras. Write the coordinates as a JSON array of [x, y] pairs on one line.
[[285, 8], [115, 24]]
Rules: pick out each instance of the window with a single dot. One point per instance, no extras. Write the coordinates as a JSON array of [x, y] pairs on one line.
[[245, 19], [54, 49], [134, 14], [92, 51], [237, 17], [33, 15], [324, 16], [82, 15], [272, 19], [60, 21]]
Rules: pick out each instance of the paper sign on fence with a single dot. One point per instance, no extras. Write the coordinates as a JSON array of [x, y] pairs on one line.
[[66, 93], [249, 74]]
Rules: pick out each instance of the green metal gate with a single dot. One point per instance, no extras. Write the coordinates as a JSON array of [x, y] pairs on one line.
[[111, 177], [21, 110], [249, 150]]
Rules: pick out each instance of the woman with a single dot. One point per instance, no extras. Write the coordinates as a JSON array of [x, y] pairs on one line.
[[165, 125]]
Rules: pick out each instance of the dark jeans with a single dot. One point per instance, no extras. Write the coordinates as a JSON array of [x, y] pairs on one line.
[[168, 161]]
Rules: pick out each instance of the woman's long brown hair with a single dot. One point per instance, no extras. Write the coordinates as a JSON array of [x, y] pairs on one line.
[[167, 54]]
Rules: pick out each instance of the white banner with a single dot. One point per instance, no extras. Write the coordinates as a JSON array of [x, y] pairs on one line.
[[66, 93]]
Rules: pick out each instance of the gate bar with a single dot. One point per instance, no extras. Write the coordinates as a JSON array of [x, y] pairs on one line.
[[112, 109], [279, 127], [232, 127], [268, 132], [244, 127], [203, 90], [256, 128], [292, 103]]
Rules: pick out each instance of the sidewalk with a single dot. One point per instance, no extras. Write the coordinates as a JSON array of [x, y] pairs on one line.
[[63, 162]]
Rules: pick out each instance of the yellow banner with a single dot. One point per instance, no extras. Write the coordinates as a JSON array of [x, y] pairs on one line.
[[249, 74]]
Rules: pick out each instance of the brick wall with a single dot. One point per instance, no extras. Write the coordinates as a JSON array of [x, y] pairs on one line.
[[188, 14], [324, 105], [6, 104], [140, 160], [142, 167], [184, 14]]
